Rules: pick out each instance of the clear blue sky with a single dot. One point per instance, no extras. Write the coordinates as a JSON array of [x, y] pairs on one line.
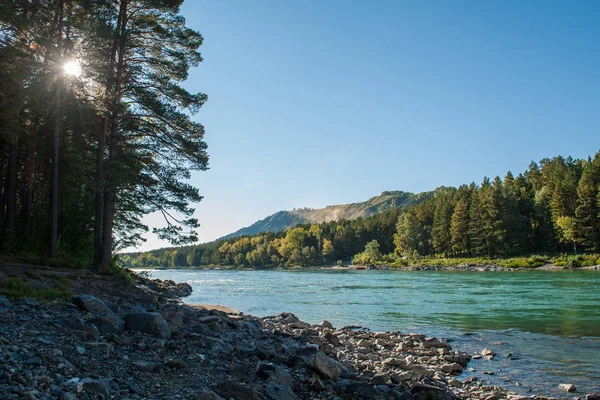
[[319, 102]]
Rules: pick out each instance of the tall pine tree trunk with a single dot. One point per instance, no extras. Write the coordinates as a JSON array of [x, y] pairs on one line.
[[55, 153], [99, 189], [54, 199], [11, 188], [110, 192], [28, 203]]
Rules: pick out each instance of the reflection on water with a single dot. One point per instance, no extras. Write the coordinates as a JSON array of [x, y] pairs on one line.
[[550, 321]]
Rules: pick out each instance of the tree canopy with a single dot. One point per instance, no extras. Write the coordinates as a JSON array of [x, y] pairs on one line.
[[96, 87]]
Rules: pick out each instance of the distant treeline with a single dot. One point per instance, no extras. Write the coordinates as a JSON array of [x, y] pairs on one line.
[[552, 207]]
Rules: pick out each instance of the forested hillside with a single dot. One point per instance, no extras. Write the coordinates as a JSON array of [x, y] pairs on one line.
[[552, 207], [288, 219], [94, 125]]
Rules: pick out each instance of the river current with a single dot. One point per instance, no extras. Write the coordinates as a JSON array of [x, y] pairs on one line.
[[543, 325]]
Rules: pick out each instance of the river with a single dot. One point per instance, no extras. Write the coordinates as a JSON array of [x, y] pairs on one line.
[[548, 321]]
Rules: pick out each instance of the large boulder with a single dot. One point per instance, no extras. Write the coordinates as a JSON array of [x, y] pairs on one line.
[[148, 322], [108, 323], [89, 303], [325, 366]]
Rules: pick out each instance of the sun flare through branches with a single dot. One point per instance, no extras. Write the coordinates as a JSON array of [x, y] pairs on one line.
[[72, 68]]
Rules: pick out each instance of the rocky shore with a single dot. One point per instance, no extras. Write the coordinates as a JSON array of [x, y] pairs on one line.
[[114, 341]]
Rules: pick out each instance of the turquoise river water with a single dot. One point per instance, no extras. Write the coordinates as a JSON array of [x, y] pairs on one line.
[[548, 320]]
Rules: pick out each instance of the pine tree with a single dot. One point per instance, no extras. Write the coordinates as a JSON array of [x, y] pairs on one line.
[[477, 231], [459, 225], [442, 218], [587, 219]]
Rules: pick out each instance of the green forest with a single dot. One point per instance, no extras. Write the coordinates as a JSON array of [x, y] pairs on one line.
[[552, 208], [95, 128]]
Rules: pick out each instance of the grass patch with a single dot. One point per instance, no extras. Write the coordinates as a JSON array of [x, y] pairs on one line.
[[572, 261], [120, 272], [19, 288]]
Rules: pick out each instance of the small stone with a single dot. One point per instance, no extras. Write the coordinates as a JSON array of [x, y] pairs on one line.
[[568, 387], [229, 389], [134, 388], [31, 302], [80, 350], [487, 353], [207, 319], [452, 368], [4, 302], [275, 391], [147, 366], [98, 386], [454, 382], [175, 363], [89, 303], [325, 366], [35, 361], [208, 395], [326, 324], [45, 340], [380, 379]]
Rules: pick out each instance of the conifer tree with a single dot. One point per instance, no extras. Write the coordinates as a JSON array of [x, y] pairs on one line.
[[587, 220]]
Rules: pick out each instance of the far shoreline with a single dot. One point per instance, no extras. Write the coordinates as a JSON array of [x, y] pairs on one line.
[[455, 268]]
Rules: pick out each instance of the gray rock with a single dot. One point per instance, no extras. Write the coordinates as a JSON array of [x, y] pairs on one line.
[[421, 391], [592, 396], [326, 324], [331, 338], [362, 390], [209, 318], [134, 388], [452, 368], [487, 352], [4, 302], [147, 366], [31, 302], [98, 386], [107, 324], [435, 343], [264, 369], [275, 391], [89, 303], [55, 390], [35, 361], [153, 323], [568, 387], [208, 395], [282, 377], [325, 366], [380, 379], [236, 390]]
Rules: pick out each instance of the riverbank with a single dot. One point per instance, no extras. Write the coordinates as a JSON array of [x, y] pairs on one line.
[[467, 267], [120, 340]]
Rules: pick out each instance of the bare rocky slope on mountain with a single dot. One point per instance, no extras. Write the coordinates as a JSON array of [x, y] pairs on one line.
[[288, 219]]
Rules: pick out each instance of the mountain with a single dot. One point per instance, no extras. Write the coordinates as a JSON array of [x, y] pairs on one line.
[[288, 219]]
